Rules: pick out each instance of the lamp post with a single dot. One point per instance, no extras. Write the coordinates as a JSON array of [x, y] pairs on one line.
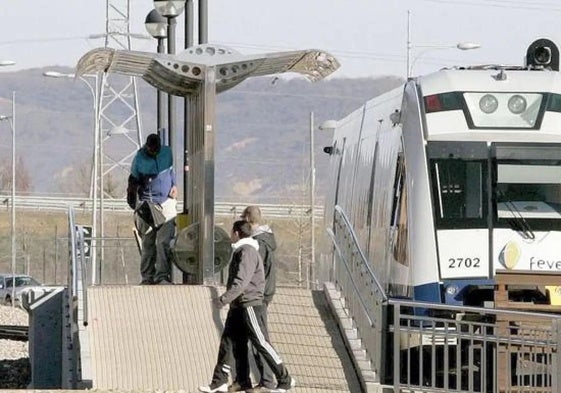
[[12, 120], [93, 87], [312, 202], [411, 45], [170, 9], [328, 126], [156, 25]]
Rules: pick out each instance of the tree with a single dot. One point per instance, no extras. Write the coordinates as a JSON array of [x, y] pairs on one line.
[[23, 178], [75, 179]]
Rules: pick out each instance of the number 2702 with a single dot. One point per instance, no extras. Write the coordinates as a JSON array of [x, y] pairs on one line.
[[456, 263]]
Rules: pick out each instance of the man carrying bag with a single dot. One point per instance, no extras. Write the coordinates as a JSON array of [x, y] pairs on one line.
[[152, 194]]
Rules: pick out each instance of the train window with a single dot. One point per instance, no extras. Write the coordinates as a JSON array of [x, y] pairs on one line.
[[528, 185], [459, 186], [529, 190]]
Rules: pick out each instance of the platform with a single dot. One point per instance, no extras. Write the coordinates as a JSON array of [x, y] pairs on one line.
[[166, 338]]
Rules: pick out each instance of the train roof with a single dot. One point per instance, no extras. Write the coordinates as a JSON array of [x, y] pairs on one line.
[[490, 78]]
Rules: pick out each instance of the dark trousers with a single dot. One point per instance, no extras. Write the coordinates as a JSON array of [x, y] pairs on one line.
[[233, 327], [243, 325], [155, 261], [266, 375]]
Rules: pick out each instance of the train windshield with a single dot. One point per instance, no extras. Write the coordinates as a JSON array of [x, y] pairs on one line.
[[525, 185], [528, 186], [459, 173]]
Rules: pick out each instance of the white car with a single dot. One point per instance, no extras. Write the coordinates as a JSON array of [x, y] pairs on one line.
[[23, 283]]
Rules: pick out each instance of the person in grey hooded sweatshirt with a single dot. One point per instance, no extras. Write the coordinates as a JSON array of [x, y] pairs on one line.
[[267, 246], [244, 322]]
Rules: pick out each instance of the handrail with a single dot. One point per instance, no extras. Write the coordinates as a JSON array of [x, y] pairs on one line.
[[472, 309], [233, 208], [351, 232], [77, 270], [72, 263], [364, 297], [356, 290]]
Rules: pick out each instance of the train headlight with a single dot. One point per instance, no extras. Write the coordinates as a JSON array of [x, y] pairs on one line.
[[503, 109], [517, 104], [451, 290], [488, 103]]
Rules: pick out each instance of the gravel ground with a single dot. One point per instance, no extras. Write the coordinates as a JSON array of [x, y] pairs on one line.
[[15, 370]]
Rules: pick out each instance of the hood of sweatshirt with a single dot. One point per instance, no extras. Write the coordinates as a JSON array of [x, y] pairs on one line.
[[247, 240], [265, 234]]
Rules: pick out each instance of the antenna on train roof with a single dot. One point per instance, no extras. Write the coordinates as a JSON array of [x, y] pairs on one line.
[[543, 54]]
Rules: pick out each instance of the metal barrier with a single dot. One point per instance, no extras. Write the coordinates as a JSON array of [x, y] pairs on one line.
[[474, 349], [364, 296], [77, 302], [234, 209], [426, 347]]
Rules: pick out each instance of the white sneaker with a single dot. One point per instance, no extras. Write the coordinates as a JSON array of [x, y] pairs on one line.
[[282, 388], [210, 389]]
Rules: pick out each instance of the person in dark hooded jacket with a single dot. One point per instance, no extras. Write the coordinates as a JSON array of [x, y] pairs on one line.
[[244, 293], [267, 246]]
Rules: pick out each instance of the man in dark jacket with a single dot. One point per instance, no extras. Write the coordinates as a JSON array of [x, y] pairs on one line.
[[267, 246], [244, 293], [152, 179]]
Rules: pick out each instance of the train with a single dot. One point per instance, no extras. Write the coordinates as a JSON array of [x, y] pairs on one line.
[[454, 178]]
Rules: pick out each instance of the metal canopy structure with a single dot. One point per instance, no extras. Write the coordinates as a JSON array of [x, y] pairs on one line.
[[182, 75], [200, 72]]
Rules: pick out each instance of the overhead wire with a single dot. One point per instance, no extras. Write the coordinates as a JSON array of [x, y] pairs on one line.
[[510, 4]]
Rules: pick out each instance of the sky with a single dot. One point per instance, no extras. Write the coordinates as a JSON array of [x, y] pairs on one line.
[[368, 37]]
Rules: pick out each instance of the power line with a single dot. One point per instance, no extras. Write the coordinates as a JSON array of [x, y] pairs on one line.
[[339, 52], [271, 93], [32, 40], [510, 4]]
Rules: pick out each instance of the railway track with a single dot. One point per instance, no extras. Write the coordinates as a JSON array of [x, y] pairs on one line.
[[14, 332]]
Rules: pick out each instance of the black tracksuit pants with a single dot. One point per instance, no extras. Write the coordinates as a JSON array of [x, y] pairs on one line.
[[245, 324]]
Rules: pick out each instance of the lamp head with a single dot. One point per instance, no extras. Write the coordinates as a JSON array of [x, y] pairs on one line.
[[328, 125], [169, 8], [468, 45], [156, 24]]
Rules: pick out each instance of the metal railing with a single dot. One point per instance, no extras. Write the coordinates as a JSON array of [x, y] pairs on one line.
[[234, 209], [363, 294], [473, 349], [427, 347], [77, 300]]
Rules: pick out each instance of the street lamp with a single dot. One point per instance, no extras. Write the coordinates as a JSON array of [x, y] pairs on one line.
[[312, 202], [12, 120], [411, 45], [156, 25], [93, 87], [4, 63], [170, 9]]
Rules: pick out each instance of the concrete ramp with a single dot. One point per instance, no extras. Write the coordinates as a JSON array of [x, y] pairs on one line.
[[166, 338]]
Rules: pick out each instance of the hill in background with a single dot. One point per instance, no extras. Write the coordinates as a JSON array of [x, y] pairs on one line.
[[262, 137]]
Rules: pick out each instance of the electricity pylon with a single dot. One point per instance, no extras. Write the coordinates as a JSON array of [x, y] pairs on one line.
[[118, 133]]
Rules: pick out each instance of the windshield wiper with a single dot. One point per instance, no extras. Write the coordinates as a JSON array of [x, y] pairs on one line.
[[518, 222]]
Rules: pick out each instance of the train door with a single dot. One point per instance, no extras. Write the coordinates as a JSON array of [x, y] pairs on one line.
[[398, 241], [459, 173]]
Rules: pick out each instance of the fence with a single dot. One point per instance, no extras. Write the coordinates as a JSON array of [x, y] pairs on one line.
[[233, 209]]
